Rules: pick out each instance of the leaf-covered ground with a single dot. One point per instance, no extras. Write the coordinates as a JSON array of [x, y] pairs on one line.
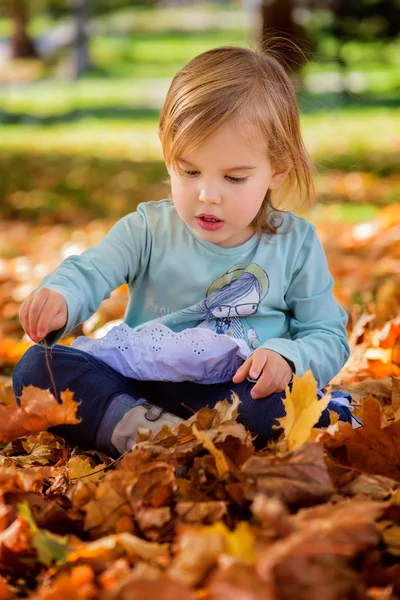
[[197, 512]]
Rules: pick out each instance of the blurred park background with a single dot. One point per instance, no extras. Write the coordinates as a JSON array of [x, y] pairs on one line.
[[81, 86]]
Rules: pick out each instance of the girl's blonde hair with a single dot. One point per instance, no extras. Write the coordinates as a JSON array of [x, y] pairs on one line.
[[238, 84]]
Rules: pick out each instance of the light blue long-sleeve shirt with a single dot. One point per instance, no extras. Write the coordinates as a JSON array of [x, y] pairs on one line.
[[273, 291]]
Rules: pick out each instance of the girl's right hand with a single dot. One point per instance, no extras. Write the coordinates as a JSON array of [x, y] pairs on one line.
[[43, 311]]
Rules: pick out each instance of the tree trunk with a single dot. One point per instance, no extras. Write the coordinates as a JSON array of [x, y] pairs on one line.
[[21, 44], [81, 50], [278, 22]]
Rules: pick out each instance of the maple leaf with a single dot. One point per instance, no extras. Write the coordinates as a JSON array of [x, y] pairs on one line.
[[303, 409], [80, 467], [373, 448], [38, 410]]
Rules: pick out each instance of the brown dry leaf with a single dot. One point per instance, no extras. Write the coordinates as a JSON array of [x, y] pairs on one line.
[[16, 480], [380, 388], [273, 516], [221, 462], [41, 448], [381, 593], [396, 395], [299, 477], [79, 585], [373, 448], [323, 576], [103, 512], [151, 485], [162, 588], [235, 441], [7, 396], [391, 536], [201, 512], [375, 487], [15, 544], [324, 540], [152, 521], [239, 582], [112, 546], [5, 592], [197, 551], [38, 411], [303, 409], [211, 418]]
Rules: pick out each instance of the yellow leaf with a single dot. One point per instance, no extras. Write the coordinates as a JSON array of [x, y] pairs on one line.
[[220, 460], [79, 467], [303, 409], [238, 543]]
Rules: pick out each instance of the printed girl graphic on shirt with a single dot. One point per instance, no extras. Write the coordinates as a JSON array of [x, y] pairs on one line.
[[231, 298]]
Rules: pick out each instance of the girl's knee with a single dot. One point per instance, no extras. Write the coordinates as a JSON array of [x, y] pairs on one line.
[[28, 368]]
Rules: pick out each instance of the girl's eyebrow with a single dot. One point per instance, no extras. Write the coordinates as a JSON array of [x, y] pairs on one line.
[[240, 168]]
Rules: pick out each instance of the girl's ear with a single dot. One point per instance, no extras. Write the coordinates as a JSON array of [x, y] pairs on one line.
[[278, 177]]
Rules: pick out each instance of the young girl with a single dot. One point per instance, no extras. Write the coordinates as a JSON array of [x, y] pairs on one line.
[[242, 291]]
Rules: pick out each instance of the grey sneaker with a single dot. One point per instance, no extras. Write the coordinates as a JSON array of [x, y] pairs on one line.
[[145, 416], [356, 422]]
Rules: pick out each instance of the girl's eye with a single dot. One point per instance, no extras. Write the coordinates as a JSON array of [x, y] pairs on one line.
[[237, 179], [228, 177]]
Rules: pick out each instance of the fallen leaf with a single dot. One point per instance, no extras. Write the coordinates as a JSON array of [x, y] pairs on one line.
[[38, 411], [303, 409], [297, 478]]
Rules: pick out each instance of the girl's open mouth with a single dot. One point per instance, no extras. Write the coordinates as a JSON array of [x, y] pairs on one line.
[[209, 223]]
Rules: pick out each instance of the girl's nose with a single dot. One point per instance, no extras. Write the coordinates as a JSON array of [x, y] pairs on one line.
[[209, 195]]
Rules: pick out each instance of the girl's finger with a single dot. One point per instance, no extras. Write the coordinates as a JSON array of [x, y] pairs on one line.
[[34, 314], [263, 388], [44, 318], [23, 314], [282, 384], [260, 361], [242, 371]]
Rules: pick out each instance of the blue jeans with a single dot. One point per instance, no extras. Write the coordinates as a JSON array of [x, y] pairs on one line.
[[95, 385]]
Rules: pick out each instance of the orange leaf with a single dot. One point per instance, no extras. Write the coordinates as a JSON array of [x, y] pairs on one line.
[[38, 411]]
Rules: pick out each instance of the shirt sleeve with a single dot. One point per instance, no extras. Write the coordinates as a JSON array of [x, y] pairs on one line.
[[86, 280], [317, 328]]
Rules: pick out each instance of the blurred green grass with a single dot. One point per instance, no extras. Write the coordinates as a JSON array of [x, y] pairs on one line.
[[368, 140], [75, 150]]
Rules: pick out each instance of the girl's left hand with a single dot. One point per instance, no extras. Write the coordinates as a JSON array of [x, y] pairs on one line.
[[271, 370]]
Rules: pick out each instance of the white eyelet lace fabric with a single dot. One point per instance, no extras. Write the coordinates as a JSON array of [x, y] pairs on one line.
[[156, 353]]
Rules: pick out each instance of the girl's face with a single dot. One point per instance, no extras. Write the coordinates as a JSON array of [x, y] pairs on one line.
[[223, 186]]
